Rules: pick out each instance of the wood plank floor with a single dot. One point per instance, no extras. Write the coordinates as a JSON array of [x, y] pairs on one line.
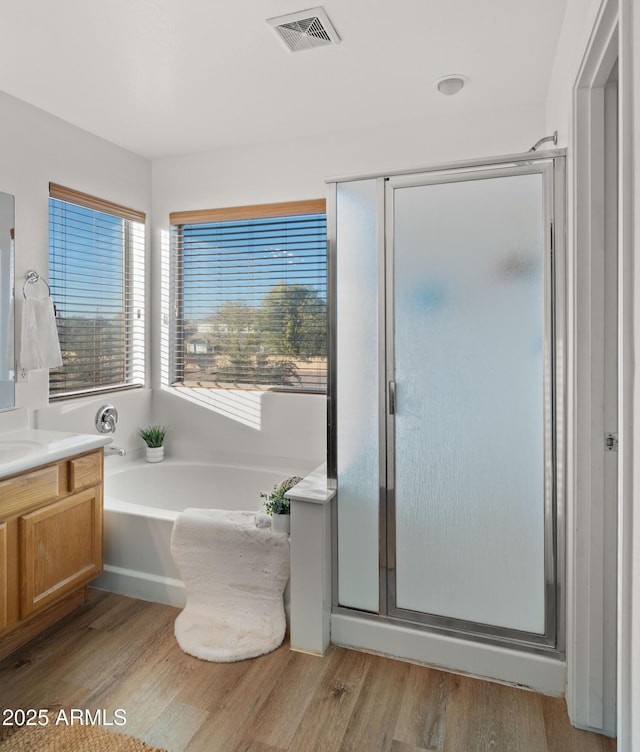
[[117, 652]]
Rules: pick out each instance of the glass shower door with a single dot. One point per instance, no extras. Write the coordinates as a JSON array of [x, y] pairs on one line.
[[469, 365]]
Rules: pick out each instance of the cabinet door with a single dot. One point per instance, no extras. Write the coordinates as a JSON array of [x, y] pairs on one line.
[[60, 549], [4, 585]]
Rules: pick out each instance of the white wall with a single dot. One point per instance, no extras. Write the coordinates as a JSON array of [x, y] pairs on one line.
[[295, 425], [37, 148], [297, 169], [78, 416]]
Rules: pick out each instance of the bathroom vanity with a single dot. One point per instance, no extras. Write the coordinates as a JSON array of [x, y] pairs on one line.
[[51, 491]]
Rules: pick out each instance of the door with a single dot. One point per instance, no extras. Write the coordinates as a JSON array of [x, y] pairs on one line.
[[471, 417], [60, 548]]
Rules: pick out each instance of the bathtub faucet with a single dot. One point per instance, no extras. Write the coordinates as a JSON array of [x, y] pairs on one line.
[[110, 450]]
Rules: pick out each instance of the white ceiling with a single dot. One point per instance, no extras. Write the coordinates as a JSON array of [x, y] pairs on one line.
[[171, 77]]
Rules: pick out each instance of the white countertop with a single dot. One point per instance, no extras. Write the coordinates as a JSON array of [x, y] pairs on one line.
[[30, 447], [312, 487]]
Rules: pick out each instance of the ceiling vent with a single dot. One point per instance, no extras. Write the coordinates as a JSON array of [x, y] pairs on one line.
[[305, 30]]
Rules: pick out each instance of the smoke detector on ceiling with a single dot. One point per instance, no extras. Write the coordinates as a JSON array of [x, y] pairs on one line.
[[451, 84], [305, 29]]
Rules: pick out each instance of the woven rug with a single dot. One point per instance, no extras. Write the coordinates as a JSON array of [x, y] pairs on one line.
[[71, 738]]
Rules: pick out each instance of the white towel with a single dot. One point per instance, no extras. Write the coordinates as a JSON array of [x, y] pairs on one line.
[[39, 344]]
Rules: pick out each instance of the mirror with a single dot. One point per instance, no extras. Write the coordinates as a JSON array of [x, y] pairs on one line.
[[7, 361]]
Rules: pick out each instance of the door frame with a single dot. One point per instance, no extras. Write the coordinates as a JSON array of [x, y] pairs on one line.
[[592, 548]]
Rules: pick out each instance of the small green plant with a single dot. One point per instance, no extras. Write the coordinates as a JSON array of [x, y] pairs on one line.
[[153, 436], [275, 502]]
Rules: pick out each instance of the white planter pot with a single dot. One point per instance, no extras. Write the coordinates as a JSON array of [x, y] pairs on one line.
[[155, 454], [281, 523]]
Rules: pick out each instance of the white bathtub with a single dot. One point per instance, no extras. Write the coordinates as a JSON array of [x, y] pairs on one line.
[[142, 501]]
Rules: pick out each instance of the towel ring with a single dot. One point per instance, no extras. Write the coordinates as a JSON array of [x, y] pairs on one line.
[[31, 277]]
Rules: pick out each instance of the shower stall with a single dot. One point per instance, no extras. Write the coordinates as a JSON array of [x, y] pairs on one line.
[[446, 398]]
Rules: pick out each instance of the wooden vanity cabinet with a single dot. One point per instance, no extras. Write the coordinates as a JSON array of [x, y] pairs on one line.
[[50, 544], [3, 576]]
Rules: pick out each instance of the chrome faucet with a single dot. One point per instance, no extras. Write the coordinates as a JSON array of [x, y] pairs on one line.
[[111, 450]]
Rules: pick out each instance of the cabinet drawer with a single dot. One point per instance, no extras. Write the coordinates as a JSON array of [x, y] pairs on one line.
[[85, 471], [29, 489]]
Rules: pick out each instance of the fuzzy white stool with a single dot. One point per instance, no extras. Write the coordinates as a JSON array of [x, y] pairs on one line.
[[235, 574]]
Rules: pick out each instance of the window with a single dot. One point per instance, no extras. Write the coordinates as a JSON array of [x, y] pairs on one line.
[[249, 295], [96, 273]]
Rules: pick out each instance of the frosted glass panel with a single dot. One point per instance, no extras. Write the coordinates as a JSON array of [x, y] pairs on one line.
[[469, 464], [357, 395]]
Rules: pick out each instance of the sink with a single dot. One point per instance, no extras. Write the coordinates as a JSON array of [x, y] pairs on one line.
[[13, 450]]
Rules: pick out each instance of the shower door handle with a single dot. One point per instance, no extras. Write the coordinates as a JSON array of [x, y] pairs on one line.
[[391, 398]]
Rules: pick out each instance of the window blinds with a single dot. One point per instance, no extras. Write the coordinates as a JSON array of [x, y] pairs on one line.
[[249, 297], [96, 273]]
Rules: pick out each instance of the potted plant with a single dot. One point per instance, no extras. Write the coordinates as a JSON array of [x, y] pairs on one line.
[[278, 506], [153, 437]]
